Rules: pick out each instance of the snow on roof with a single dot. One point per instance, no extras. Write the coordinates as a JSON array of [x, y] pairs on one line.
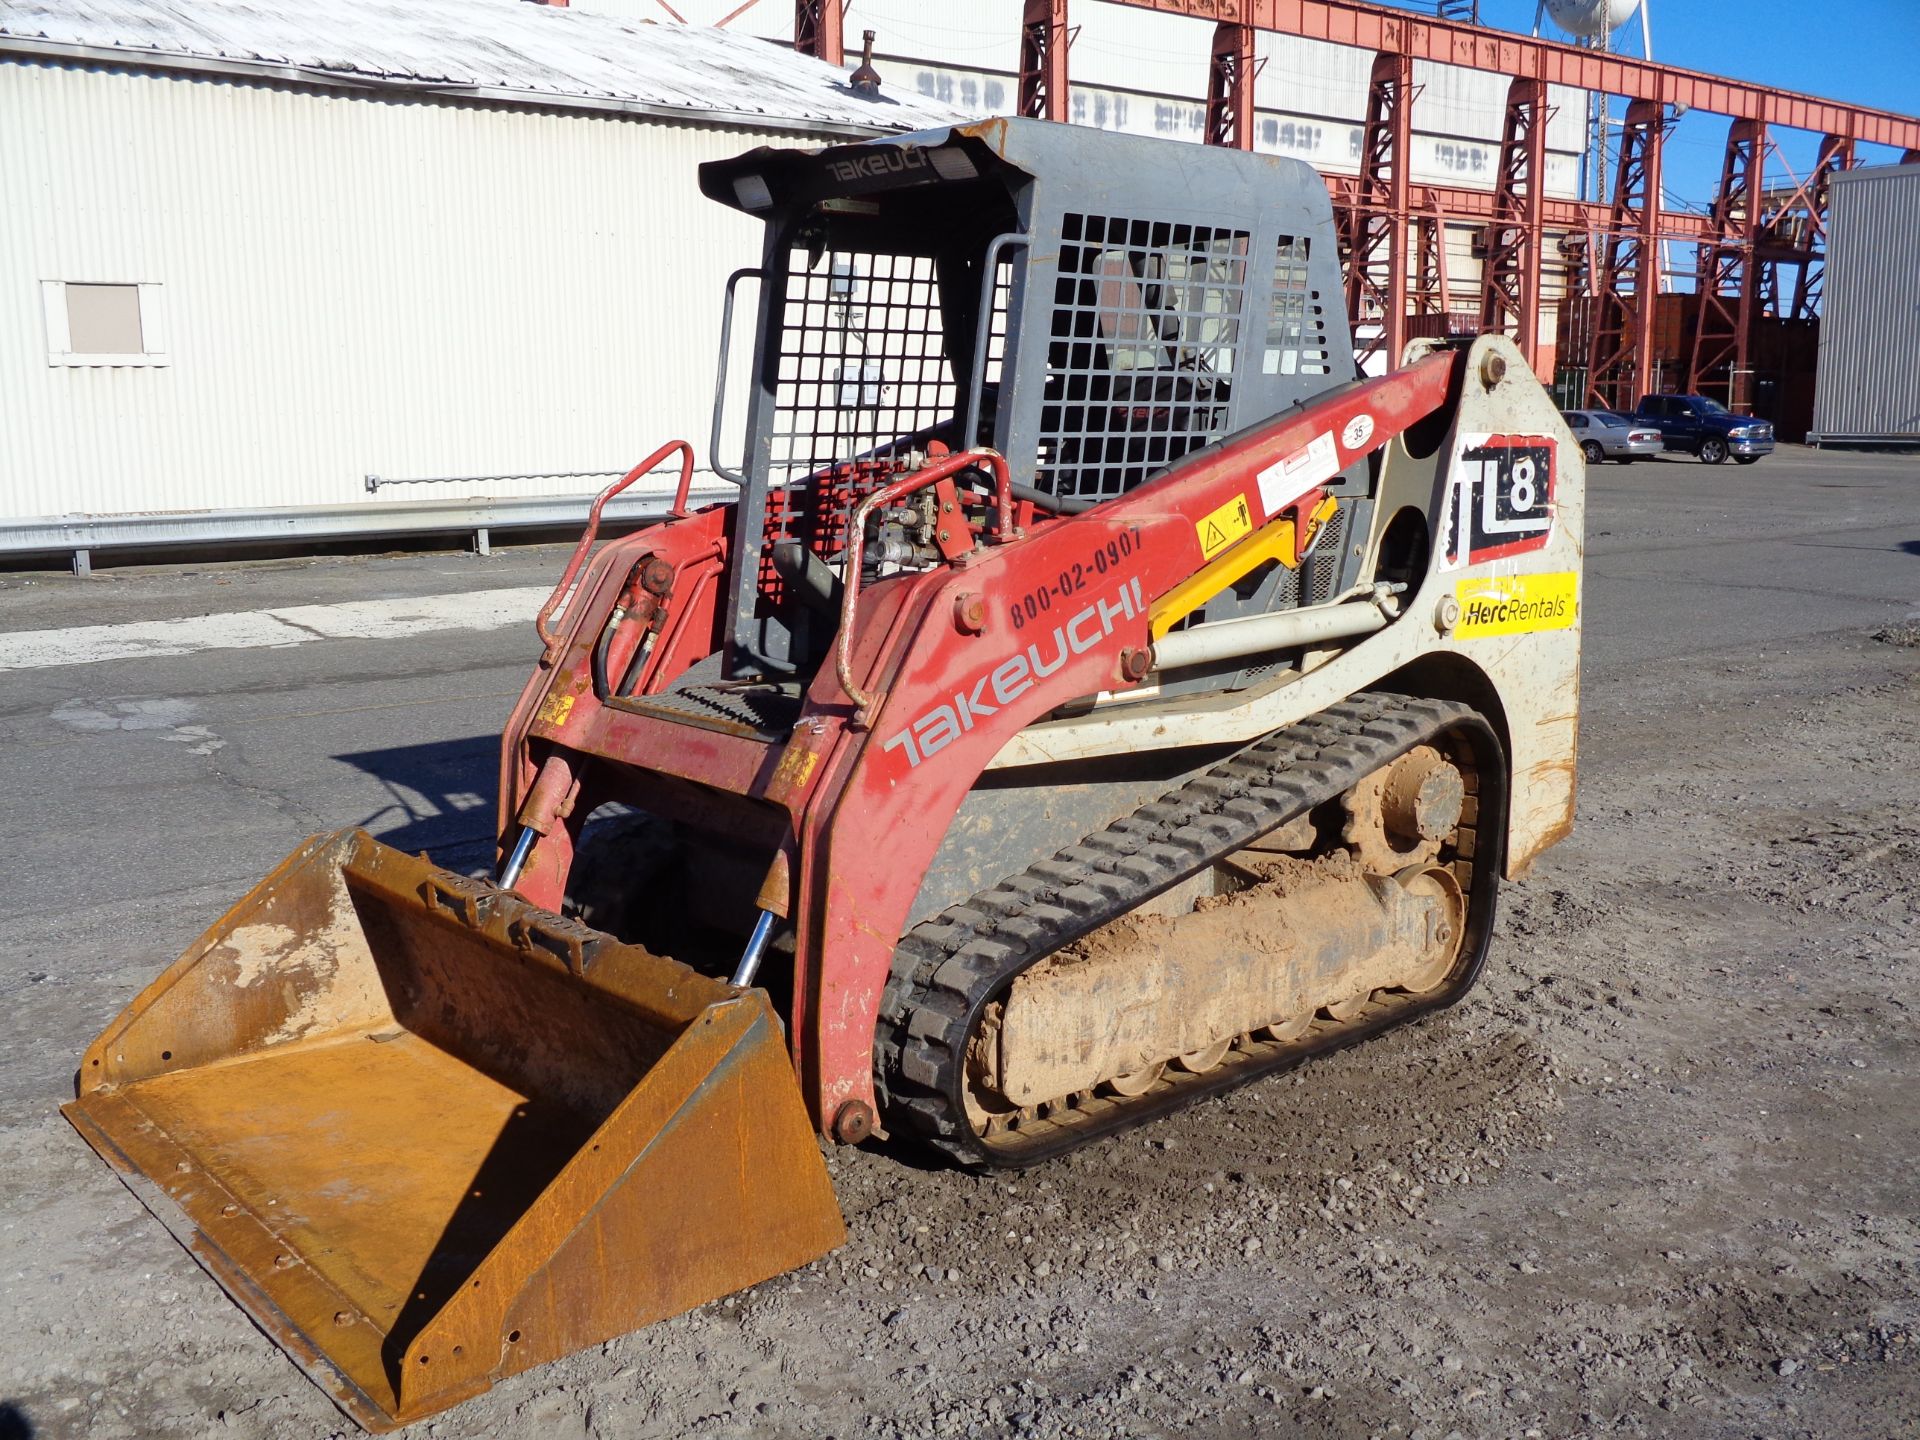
[[505, 50]]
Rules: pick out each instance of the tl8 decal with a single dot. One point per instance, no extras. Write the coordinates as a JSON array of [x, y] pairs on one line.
[[1499, 501]]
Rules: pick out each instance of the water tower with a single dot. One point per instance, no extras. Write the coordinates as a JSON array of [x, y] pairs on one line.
[[1597, 25]]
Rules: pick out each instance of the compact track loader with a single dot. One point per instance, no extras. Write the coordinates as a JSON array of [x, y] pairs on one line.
[[1095, 698]]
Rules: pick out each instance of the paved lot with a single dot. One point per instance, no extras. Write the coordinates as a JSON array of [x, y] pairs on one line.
[[1736, 906]]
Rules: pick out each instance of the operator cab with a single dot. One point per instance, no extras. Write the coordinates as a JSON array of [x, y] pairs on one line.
[[1013, 285]]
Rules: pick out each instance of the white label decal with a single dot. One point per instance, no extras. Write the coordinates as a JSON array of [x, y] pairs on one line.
[[1359, 430], [1286, 482]]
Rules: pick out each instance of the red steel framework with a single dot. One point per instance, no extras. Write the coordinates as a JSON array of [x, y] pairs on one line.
[[1393, 231], [1743, 246], [1230, 88], [1043, 60], [1373, 225], [1510, 273], [819, 29], [1727, 283], [1624, 281], [1796, 235], [1431, 295]]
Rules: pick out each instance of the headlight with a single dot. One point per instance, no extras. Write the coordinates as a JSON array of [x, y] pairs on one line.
[[1744, 432]]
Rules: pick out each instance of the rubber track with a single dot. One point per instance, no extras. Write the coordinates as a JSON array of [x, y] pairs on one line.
[[946, 969]]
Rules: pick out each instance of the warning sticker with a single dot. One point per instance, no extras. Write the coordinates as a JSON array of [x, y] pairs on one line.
[[1282, 484], [555, 709], [792, 773], [1517, 604], [1224, 526]]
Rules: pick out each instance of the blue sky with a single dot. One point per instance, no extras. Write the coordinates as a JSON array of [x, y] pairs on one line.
[[1864, 51]]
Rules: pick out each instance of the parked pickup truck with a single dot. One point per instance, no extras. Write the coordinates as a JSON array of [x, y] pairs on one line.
[[1705, 428]]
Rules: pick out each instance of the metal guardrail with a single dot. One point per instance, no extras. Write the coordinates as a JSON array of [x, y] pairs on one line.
[[79, 534], [374, 482]]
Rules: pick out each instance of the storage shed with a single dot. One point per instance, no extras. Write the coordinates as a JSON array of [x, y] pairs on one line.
[[272, 270], [1868, 392]]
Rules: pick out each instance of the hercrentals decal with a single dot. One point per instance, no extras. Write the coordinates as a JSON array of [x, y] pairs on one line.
[[1000, 684], [1517, 604]]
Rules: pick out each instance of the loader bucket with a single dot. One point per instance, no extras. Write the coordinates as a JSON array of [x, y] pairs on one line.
[[429, 1136]]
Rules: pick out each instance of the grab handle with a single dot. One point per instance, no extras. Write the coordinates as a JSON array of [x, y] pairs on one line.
[[554, 642], [720, 374]]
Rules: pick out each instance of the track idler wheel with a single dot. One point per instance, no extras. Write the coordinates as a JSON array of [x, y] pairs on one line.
[[1446, 928], [1136, 1083], [1289, 1029], [1399, 815]]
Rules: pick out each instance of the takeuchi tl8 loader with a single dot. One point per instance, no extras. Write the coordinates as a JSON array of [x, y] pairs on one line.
[[1096, 698]]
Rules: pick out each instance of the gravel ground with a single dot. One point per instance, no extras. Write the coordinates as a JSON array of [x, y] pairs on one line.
[[1654, 1177]]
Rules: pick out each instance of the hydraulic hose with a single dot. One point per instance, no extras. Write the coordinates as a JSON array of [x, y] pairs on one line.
[[1054, 504], [816, 585], [601, 689]]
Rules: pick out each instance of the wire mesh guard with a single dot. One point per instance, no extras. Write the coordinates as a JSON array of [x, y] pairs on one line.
[[1142, 344], [1143, 338], [863, 377], [862, 365]]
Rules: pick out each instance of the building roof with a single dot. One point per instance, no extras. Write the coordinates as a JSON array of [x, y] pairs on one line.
[[500, 50]]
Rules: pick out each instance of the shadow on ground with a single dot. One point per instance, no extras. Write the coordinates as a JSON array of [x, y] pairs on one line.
[[442, 799]]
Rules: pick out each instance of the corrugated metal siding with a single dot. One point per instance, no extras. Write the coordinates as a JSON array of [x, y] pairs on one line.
[[1869, 376], [352, 285]]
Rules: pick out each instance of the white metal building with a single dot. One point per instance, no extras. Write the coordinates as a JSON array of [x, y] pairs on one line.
[[253, 252], [1145, 73]]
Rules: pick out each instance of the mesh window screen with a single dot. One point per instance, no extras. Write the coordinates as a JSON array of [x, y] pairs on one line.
[[862, 361], [1141, 350], [1296, 320]]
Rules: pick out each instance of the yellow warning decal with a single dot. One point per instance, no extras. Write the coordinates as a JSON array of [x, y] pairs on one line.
[[1274, 542], [794, 770], [555, 709], [1517, 604], [1224, 526]]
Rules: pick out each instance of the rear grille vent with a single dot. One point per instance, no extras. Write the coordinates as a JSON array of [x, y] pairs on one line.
[[1321, 574]]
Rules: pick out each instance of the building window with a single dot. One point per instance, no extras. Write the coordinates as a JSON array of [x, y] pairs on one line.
[[95, 323]]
